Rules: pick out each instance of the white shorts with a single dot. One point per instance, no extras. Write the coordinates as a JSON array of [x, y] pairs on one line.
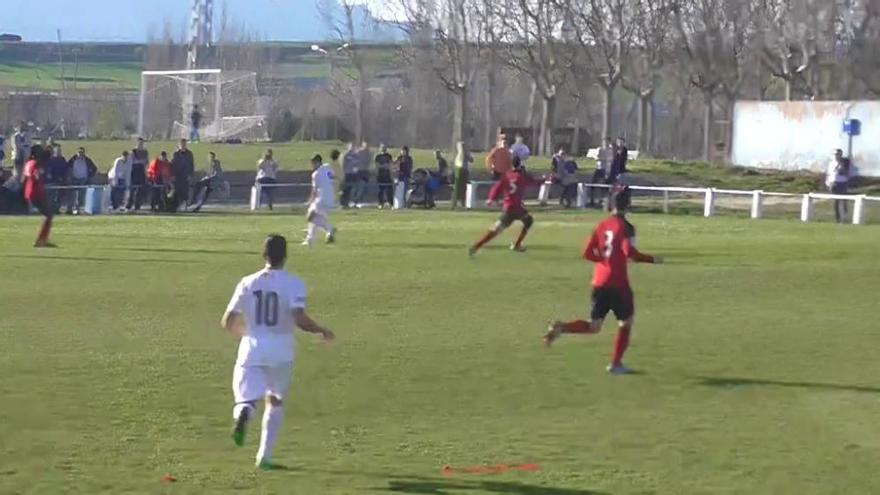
[[253, 383]]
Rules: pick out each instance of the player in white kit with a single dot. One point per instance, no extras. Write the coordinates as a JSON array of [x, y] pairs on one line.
[[323, 199], [264, 311]]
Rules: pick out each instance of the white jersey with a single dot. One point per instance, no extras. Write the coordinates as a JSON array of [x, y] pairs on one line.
[[324, 185], [266, 300]]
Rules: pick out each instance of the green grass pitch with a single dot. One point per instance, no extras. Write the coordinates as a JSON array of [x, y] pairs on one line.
[[756, 345]]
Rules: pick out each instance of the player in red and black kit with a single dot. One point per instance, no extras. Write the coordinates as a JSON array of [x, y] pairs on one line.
[[611, 246], [513, 184], [35, 192]]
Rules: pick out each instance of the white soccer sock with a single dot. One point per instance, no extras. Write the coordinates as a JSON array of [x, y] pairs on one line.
[[310, 234], [236, 411], [321, 222], [272, 417]]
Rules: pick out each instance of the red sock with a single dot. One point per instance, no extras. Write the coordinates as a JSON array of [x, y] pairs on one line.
[[44, 230], [485, 239], [577, 326], [620, 345], [522, 235]]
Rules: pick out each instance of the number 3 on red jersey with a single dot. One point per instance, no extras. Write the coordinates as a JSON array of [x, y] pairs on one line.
[[609, 244]]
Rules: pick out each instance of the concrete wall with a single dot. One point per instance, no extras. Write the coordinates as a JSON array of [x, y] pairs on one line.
[[802, 135]]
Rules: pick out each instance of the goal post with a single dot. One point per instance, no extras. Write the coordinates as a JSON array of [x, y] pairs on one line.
[[228, 101]]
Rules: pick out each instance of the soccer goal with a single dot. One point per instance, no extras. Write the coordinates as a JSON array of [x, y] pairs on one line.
[[228, 102]]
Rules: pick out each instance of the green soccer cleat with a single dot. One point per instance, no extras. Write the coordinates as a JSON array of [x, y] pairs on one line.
[[240, 429], [267, 465]]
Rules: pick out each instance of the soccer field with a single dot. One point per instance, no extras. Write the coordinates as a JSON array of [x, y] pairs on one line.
[[756, 345]]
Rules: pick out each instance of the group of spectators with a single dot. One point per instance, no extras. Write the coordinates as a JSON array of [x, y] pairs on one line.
[[167, 183]]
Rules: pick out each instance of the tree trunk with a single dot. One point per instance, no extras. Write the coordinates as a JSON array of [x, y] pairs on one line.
[[576, 138], [530, 111], [650, 123], [359, 105], [643, 125], [608, 108], [788, 90], [548, 111], [459, 117], [708, 118], [491, 127]]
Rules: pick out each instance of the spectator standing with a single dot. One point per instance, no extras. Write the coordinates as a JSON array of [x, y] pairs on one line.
[[211, 181], [383, 177], [58, 176], [2, 152], [604, 162], [183, 167], [837, 179], [362, 181], [404, 168], [140, 160], [618, 164], [521, 149], [568, 181], [267, 174], [618, 167], [500, 159], [349, 175], [82, 172], [159, 177], [195, 120], [21, 147], [463, 162], [120, 179], [442, 167]]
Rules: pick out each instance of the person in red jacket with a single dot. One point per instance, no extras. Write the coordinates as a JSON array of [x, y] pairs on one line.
[[513, 185], [159, 177], [610, 247], [35, 192]]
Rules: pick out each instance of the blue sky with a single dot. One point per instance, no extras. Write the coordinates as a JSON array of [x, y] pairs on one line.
[[131, 20]]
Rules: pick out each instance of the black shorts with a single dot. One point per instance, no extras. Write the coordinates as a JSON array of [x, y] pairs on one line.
[[509, 216], [612, 299]]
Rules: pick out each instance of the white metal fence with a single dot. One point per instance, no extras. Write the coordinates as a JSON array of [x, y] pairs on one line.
[[709, 197], [706, 198]]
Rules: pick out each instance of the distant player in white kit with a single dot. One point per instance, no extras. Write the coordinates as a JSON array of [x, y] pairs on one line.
[[264, 310], [323, 199]]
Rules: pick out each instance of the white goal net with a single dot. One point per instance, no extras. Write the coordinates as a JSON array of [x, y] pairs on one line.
[[227, 101]]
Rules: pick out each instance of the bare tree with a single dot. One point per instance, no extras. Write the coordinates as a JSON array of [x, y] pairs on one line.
[[457, 43], [865, 63], [350, 80], [650, 48], [602, 32], [533, 48], [717, 38]]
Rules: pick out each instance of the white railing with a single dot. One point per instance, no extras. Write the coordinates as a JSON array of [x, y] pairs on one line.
[[709, 198], [257, 193]]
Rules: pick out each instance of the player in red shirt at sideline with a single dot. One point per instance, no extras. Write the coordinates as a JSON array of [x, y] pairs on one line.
[[610, 247], [513, 184], [35, 192]]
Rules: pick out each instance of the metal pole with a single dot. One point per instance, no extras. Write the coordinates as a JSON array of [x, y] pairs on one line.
[[141, 105]]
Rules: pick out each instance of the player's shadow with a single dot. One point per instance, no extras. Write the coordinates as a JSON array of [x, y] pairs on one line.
[[731, 382], [443, 487], [182, 251], [454, 247], [99, 260]]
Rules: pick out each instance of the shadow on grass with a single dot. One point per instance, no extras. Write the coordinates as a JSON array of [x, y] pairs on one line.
[[99, 260], [501, 246], [752, 382], [442, 487], [182, 251]]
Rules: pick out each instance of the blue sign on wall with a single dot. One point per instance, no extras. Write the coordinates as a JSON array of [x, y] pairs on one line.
[[852, 127]]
